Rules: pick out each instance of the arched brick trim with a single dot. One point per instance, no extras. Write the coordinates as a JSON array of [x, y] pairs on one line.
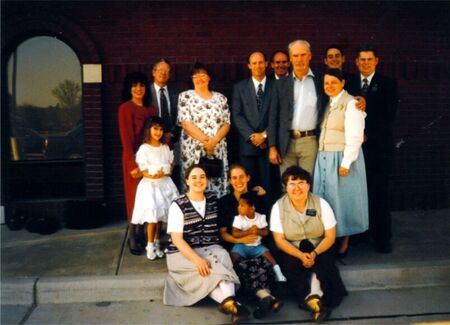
[[19, 26]]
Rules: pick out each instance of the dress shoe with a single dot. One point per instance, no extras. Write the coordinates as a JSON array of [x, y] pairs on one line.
[[135, 249], [321, 315], [313, 303], [267, 304], [231, 306]]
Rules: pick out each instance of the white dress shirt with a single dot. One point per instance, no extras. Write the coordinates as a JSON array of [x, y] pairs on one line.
[[305, 103], [166, 93]]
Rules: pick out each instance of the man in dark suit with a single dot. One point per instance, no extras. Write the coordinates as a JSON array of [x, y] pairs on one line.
[[381, 98], [279, 62], [296, 110], [334, 57], [250, 115], [165, 99]]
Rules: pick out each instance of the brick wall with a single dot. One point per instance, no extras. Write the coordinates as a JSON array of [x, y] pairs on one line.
[[412, 37]]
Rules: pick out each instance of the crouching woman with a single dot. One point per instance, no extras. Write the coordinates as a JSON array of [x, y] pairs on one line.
[[304, 229]]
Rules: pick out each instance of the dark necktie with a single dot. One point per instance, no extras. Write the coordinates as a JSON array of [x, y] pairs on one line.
[[259, 97], [365, 87], [164, 107]]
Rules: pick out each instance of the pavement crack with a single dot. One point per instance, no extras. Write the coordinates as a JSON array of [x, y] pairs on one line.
[[33, 305]]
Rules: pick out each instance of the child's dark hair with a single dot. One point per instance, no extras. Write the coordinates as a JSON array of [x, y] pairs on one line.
[[250, 197], [152, 121]]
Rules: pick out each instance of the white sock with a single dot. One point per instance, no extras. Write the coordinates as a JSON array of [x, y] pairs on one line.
[[217, 295], [263, 293], [150, 245], [315, 286], [227, 288]]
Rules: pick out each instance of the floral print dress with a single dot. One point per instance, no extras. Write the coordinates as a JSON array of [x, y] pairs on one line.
[[209, 115]]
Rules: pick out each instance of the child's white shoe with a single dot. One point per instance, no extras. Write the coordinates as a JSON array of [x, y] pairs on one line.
[[158, 250], [151, 255]]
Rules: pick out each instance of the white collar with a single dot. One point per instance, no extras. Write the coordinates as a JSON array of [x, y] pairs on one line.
[[334, 99], [369, 78], [256, 83], [309, 74], [157, 88]]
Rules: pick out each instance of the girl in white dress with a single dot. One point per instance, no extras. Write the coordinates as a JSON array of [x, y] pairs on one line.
[[156, 190]]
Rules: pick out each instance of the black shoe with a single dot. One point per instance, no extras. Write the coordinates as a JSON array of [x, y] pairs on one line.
[[134, 247]]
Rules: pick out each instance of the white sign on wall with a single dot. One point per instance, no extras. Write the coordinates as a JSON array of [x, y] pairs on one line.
[[92, 73]]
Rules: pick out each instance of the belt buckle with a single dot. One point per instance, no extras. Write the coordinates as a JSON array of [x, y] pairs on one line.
[[297, 134]]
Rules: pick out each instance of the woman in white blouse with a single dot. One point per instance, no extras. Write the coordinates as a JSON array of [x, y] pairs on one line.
[[197, 265], [339, 172]]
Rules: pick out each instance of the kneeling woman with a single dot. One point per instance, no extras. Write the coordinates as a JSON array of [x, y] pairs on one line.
[[198, 266]]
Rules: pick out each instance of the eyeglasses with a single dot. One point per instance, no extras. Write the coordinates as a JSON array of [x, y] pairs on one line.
[[280, 62], [163, 70], [199, 75], [298, 184]]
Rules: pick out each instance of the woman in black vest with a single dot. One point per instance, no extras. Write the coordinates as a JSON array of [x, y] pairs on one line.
[[304, 229], [198, 266]]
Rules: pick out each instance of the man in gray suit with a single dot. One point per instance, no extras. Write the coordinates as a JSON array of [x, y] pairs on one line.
[[250, 114], [165, 100], [296, 109]]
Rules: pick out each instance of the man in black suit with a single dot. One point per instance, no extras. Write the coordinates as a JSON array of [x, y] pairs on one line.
[[165, 99], [296, 110], [334, 57], [381, 98], [279, 62], [250, 116]]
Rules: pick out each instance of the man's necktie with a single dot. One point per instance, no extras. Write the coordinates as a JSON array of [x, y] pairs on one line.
[[259, 97], [365, 87], [164, 108]]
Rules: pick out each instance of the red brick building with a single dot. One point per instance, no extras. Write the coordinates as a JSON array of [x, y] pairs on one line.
[[412, 38]]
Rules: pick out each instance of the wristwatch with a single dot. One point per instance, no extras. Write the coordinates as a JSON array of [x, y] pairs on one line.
[[264, 134]]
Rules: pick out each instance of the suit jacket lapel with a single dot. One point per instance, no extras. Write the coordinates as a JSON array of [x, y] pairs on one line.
[[154, 98], [250, 93], [290, 92]]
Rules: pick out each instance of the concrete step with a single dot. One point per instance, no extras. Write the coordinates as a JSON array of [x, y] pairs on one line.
[[429, 305], [56, 290]]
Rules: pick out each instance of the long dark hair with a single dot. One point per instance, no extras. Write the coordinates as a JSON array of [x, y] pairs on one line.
[[132, 79], [152, 121]]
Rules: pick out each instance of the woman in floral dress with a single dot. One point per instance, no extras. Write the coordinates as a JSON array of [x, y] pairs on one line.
[[205, 120]]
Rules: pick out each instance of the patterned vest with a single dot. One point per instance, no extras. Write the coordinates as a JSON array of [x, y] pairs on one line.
[[294, 229], [198, 231], [332, 129]]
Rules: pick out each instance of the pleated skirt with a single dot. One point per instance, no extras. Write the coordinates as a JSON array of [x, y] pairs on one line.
[[184, 286], [347, 195]]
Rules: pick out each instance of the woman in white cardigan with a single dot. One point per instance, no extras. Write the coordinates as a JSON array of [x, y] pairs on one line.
[[339, 172]]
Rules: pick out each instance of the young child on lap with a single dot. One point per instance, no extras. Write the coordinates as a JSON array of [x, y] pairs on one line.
[[250, 222]]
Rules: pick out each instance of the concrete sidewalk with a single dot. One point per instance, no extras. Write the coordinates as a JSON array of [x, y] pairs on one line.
[[80, 266]]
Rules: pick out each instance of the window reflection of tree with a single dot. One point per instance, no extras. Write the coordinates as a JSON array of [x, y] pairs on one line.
[[40, 131]]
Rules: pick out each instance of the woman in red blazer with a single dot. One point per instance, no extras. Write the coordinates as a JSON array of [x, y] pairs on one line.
[[133, 113]]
